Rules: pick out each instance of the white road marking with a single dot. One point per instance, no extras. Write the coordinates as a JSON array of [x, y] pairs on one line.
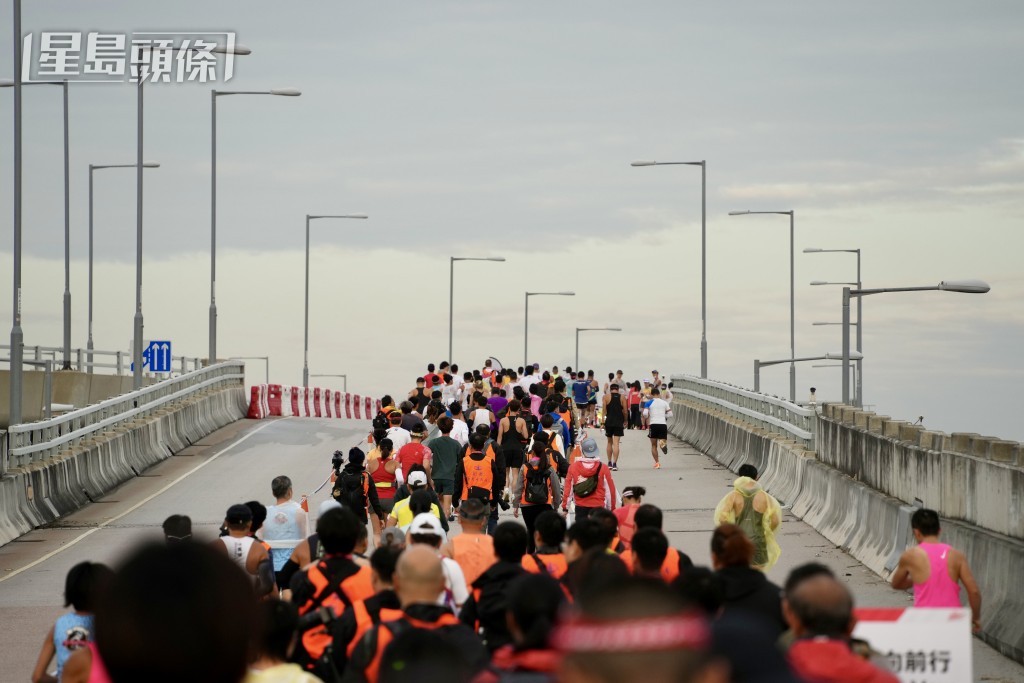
[[86, 534]]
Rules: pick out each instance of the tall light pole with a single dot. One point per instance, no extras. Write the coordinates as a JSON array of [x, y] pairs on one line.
[[451, 293], [858, 390], [17, 335], [305, 343], [758, 364], [858, 397], [703, 253], [67, 215], [961, 286], [792, 294], [94, 167], [344, 380], [214, 94], [526, 325], [590, 329]]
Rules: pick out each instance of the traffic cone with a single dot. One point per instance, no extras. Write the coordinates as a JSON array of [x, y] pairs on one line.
[[304, 503]]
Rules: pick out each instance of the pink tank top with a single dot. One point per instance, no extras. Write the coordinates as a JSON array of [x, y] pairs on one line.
[[98, 672], [939, 590]]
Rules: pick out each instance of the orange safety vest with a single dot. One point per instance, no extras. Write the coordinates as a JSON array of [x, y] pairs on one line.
[[336, 597], [669, 568], [478, 473], [385, 635], [554, 565], [365, 621], [474, 554]]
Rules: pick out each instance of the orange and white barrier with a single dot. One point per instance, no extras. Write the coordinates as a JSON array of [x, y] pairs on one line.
[[276, 400]]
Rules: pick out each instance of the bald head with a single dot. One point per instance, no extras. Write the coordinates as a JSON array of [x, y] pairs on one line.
[[820, 606], [419, 576]]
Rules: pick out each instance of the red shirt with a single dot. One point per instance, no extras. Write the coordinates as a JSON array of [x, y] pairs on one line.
[[602, 497], [627, 528], [412, 454], [820, 660]]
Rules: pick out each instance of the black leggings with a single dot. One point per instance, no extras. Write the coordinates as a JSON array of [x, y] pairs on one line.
[[530, 514]]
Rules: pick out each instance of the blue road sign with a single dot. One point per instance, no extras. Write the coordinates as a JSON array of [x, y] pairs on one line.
[[157, 356]]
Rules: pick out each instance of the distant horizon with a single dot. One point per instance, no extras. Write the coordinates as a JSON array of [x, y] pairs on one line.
[[490, 129]]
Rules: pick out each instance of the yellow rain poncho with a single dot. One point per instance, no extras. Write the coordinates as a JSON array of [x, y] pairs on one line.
[[737, 507]]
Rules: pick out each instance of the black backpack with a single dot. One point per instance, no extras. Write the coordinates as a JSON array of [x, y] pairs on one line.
[[349, 491], [380, 421], [536, 488]]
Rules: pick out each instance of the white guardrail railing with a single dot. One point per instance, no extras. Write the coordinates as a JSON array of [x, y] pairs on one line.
[[35, 442], [84, 360], [767, 412]]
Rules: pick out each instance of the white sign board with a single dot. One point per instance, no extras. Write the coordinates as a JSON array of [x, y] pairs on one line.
[[920, 645]]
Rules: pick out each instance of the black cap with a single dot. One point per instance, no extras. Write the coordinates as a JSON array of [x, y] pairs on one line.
[[238, 514]]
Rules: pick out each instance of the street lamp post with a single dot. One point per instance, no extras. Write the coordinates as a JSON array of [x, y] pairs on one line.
[[590, 329], [451, 293], [344, 380], [67, 216], [305, 344], [758, 364], [961, 286], [703, 253], [214, 94], [792, 295], [94, 167], [859, 384], [17, 335], [526, 324], [857, 398]]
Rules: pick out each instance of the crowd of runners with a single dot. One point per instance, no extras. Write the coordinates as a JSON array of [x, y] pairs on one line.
[[482, 536]]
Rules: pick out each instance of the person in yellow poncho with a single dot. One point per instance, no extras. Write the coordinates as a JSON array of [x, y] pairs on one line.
[[756, 512]]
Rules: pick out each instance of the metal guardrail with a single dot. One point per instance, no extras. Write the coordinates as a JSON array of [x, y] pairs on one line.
[[36, 442], [770, 413], [120, 360]]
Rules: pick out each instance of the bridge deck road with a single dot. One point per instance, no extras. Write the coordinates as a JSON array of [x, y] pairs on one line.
[[237, 463]]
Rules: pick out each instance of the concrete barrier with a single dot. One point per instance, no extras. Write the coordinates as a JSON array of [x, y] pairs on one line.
[[43, 492], [869, 524]]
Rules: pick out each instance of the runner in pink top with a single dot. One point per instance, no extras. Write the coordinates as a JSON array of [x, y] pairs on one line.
[[934, 570], [938, 590]]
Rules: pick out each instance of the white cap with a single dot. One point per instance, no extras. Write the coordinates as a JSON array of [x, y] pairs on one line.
[[417, 479], [426, 523]]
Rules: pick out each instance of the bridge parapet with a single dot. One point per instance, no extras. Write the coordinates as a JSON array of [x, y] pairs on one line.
[[969, 477], [770, 413]]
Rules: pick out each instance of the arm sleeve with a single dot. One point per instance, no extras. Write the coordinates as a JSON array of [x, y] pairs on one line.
[[467, 615], [607, 474], [440, 509], [265, 582], [497, 480], [556, 492], [566, 491], [459, 476], [517, 495]]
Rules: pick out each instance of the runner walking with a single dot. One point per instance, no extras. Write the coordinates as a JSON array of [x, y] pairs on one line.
[[512, 439], [614, 409]]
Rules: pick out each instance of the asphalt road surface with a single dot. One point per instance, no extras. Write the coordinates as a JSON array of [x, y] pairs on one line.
[[238, 462]]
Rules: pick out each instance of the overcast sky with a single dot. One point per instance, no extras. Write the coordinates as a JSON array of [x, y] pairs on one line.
[[480, 128]]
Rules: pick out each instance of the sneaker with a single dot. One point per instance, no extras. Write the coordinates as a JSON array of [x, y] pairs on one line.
[[657, 465], [664, 449], [451, 518]]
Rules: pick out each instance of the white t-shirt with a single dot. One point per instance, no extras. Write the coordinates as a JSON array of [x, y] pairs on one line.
[[460, 432], [658, 411], [399, 437], [454, 581]]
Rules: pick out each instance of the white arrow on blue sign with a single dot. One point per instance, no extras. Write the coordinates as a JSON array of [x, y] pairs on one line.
[[157, 356]]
